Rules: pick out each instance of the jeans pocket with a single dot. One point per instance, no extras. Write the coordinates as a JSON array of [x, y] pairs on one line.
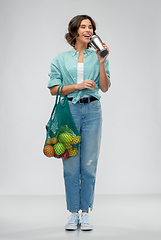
[[70, 103], [95, 104]]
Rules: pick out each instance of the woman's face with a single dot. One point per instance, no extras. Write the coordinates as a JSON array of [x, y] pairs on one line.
[[85, 31]]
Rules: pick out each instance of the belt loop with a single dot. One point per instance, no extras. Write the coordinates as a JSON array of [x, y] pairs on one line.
[[89, 100]]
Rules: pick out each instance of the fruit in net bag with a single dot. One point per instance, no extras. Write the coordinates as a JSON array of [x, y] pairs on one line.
[[54, 140], [57, 156], [59, 148], [65, 138], [73, 152], [65, 155], [48, 151], [68, 146], [76, 139], [48, 141]]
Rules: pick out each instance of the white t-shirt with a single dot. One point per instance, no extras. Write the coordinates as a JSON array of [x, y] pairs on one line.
[[80, 70]]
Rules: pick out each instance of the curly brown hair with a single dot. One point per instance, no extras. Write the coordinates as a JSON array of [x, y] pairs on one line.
[[73, 26]]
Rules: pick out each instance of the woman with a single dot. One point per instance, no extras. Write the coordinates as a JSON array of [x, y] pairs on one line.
[[82, 72]]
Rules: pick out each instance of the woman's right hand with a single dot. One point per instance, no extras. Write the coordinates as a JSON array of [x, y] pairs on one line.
[[90, 84]]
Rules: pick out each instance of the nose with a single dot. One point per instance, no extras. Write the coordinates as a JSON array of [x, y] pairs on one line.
[[88, 30]]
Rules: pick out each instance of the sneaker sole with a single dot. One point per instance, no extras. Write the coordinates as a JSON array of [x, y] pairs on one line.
[[71, 228], [86, 228]]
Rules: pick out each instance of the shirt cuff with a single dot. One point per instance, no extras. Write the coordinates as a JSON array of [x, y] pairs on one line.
[[54, 82]]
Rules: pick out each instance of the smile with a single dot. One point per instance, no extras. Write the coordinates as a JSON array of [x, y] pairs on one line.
[[87, 36]]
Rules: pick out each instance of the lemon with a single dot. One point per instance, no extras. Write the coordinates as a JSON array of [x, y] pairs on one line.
[[48, 141], [76, 139], [68, 146], [73, 152]]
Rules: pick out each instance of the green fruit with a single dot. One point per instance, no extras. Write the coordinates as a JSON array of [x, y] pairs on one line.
[[65, 138], [59, 148]]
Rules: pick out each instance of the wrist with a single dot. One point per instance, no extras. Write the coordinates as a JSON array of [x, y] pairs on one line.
[[101, 64], [76, 87]]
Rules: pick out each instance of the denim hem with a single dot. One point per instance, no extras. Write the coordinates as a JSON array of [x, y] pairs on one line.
[[73, 211], [84, 210]]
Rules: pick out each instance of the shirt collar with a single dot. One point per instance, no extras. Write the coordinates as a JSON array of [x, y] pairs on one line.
[[86, 51]]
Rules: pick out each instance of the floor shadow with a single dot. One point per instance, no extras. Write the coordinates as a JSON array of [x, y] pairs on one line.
[[99, 232]]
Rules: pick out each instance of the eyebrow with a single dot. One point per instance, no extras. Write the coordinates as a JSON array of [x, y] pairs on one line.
[[85, 25]]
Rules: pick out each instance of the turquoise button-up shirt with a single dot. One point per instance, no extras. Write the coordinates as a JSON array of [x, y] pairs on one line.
[[64, 72]]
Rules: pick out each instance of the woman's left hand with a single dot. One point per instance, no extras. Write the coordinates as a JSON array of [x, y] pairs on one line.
[[102, 59]]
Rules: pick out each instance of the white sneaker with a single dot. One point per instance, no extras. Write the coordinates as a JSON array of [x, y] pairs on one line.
[[73, 222], [85, 224]]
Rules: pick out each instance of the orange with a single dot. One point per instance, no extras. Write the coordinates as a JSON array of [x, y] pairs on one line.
[[54, 140], [48, 151]]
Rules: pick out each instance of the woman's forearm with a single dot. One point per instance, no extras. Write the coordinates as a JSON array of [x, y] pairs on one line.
[[87, 84], [104, 79], [66, 89]]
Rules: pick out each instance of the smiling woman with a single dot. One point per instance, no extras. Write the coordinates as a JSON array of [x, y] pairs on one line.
[[82, 72]]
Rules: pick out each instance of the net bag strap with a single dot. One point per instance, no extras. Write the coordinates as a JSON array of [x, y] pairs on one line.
[[56, 102]]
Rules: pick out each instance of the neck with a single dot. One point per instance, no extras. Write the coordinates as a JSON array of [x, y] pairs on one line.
[[80, 47]]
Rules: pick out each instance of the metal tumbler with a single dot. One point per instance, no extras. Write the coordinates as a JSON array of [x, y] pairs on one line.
[[96, 42]]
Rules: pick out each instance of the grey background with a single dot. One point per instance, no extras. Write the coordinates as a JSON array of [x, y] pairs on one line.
[[32, 34]]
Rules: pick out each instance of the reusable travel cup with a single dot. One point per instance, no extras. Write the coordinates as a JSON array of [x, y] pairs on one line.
[[96, 42]]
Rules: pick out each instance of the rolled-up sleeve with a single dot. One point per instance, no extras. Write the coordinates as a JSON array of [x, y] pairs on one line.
[[55, 74]]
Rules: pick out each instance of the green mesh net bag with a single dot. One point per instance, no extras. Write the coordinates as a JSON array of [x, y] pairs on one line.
[[62, 138]]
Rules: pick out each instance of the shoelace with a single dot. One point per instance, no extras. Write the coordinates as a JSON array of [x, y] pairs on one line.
[[72, 218], [84, 219]]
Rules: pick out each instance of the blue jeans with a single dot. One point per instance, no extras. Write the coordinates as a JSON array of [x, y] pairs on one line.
[[80, 171]]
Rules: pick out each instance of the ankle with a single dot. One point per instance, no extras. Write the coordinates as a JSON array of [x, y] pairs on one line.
[[85, 211]]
